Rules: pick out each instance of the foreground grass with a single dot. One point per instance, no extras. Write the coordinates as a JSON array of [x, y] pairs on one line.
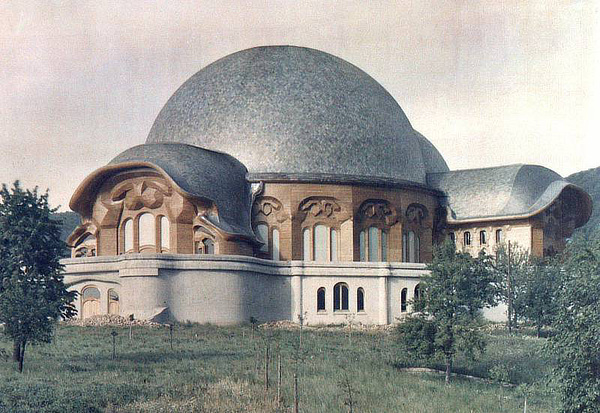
[[221, 369]]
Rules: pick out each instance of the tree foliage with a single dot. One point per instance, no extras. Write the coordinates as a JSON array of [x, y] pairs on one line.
[[32, 294], [447, 313], [576, 344]]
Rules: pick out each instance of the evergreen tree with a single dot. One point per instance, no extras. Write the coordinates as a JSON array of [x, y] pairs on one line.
[[446, 317], [32, 294]]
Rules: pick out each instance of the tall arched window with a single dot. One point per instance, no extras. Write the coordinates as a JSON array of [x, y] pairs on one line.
[[373, 245], [113, 302], [262, 232], [321, 299], [360, 300], [128, 236], [499, 236], [320, 243], [208, 246], [362, 241], [333, 245], [147, 231], [306, 244], [467, 238], [165, 234], [90, 302], [340, 297], [275, 252], [482, 237], [411, 247], [417, 292], [403, 299]]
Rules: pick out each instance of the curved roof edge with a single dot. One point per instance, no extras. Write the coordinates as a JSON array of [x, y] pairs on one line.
[[194, 172], [340, 179], [504, 192]]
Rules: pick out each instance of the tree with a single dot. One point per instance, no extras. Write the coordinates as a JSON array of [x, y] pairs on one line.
[[32, 293], [576, 344], [512, 264], [446, 317], [538, 293]]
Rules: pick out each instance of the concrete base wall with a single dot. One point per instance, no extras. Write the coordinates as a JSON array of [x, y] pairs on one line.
[[232, 289]]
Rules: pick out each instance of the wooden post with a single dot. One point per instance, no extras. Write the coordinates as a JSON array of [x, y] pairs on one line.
[[509, 293], [296, 401], [267, 368], [130, 332], [114, 352], [278, 379], [171, 335]]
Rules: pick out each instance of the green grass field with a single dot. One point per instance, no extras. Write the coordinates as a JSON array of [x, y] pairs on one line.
[[221, 369]]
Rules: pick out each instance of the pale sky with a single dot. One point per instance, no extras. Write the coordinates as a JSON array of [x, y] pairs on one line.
[[487, 82]]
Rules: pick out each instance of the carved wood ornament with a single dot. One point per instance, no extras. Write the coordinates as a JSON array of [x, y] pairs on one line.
[[269, 207], [148, 193], [416, 214], [378, 209], [320, 207]]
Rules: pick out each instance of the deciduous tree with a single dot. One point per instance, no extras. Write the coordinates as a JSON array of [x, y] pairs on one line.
[[447, 313], [32, 294], [576, 343]]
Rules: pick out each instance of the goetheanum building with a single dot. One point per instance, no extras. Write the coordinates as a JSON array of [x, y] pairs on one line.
[[283, 182]]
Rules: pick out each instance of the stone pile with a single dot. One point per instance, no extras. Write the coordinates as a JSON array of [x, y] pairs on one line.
[[109, 320]]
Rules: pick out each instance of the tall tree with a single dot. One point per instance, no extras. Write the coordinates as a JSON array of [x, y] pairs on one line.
[[446, 315], [576, 344], [32, 294]]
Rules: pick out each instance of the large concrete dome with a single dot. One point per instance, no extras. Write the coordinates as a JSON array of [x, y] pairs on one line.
[[285, 109]]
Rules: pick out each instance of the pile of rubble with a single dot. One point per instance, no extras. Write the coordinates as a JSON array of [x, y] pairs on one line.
[[109, 320]]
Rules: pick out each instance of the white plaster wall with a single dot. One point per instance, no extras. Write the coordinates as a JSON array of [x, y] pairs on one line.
[[231, 289]]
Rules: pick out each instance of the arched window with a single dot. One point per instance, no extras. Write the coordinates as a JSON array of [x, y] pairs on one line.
[[128, 236], [333, 245], [482, 237], [321, 299], [404, 247], [165, 234], [340, 297], [360, 300], [147, 231], [90, 302], [113, 302], [208, 246], [417, 292], [403, 300], [362, 241], [373, 245], [320, 243], [499, 236], [262, 233], [452, 237], [412, 247], [467, 238], [306, 244], [275, 252]]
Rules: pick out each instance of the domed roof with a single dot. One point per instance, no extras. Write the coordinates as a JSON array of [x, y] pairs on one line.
[[286, 109]]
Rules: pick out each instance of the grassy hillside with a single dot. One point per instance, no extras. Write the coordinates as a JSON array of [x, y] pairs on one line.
[[221, 369], [590, 181]]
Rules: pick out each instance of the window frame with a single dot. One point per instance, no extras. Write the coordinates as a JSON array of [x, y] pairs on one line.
[[338, 297]]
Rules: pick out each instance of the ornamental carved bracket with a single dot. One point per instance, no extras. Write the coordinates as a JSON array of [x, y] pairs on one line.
[[319, 207], [148, 193], [269, 207], [378, 209], [416, 214]]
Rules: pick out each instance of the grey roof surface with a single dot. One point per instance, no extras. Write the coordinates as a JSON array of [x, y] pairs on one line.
[[204, 174], [286, 109], [503, 191]]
